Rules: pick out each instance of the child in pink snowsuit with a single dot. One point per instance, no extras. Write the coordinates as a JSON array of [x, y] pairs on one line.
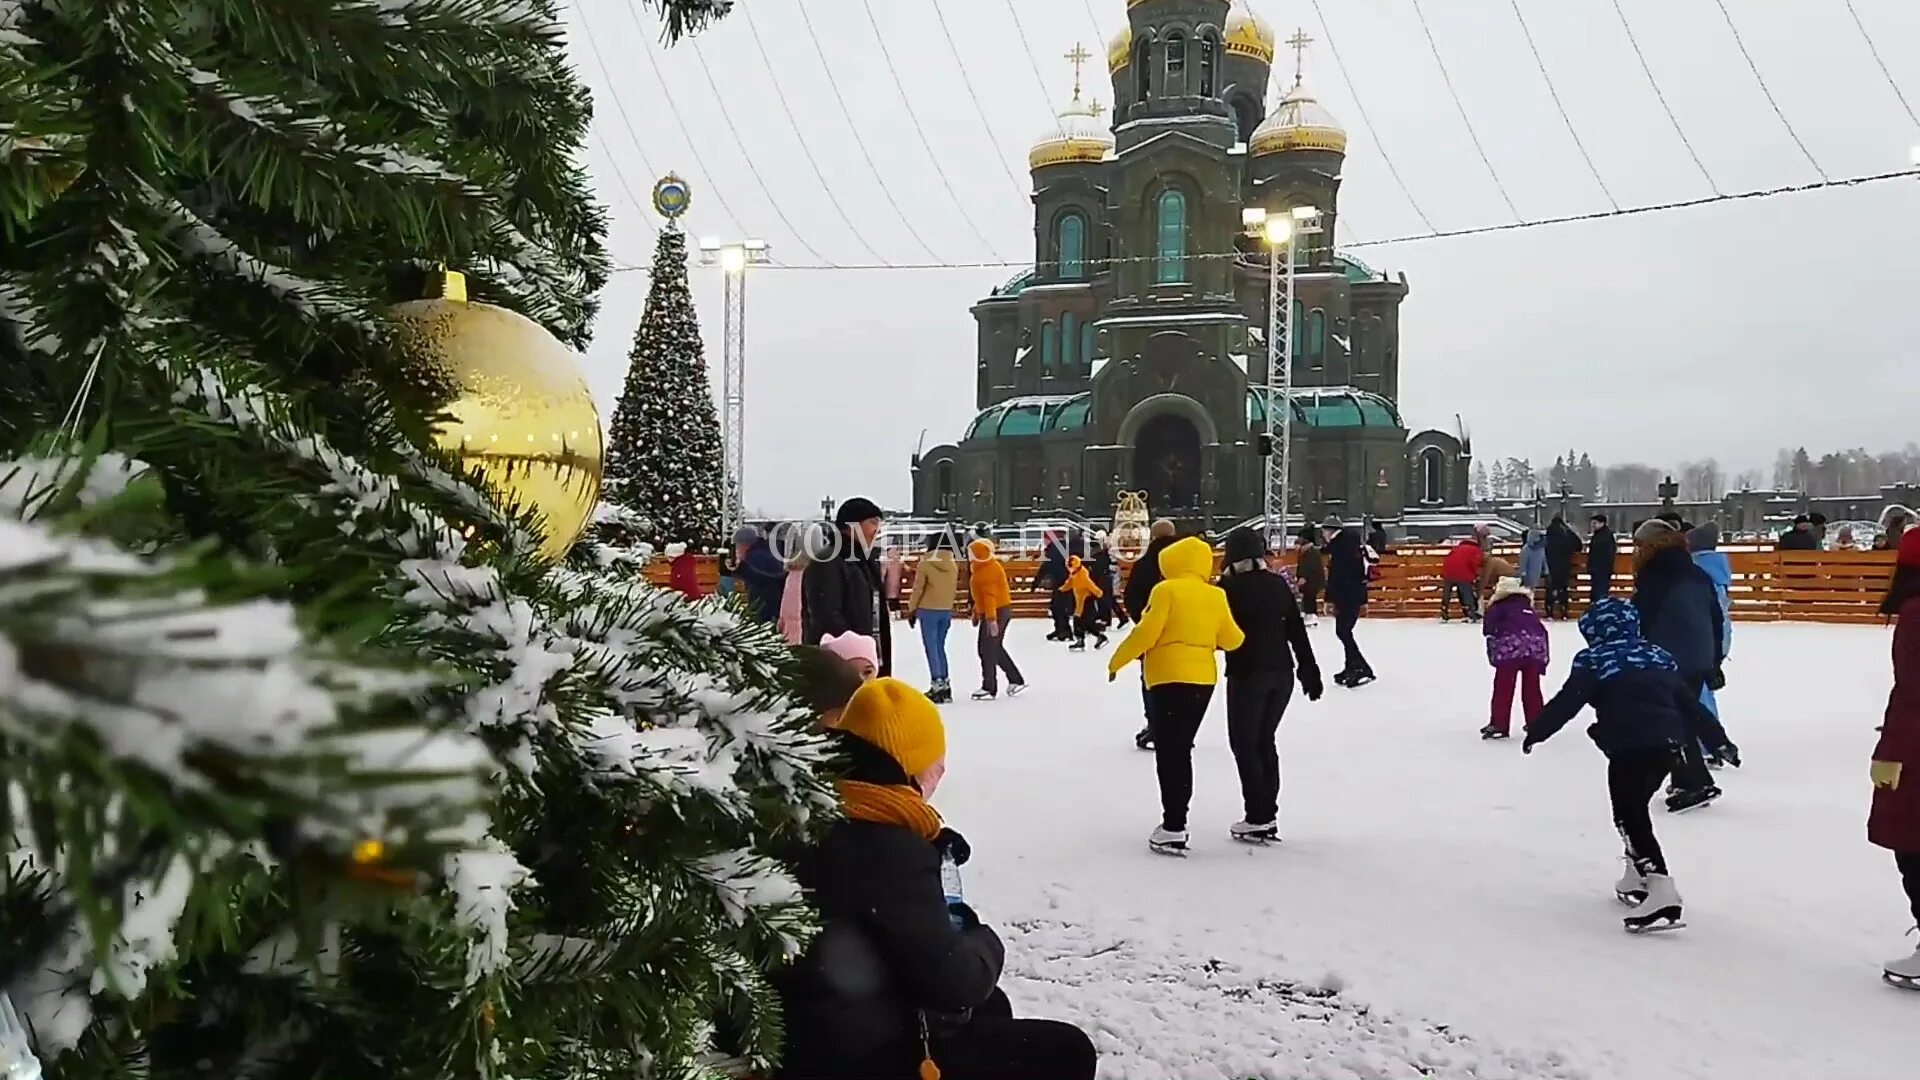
[[1517, 648]]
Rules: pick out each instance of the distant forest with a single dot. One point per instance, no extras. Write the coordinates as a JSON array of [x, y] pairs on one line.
[[1846, 472]]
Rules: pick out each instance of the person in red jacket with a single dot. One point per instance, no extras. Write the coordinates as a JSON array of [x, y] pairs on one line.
[[683, 571], [1895, 821], [1461, 572]]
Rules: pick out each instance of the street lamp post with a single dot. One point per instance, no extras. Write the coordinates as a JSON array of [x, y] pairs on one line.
[[733, 260], [1278, 230]]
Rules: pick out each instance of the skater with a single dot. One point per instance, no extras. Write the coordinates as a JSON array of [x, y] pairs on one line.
[[759, 574], [893, 574], [903, 981], [1602, 550], [1086, 605], [1646, 713], [1533, 561], [1460, 577], [930, 604], [1260, 677], [801, 539], [1101, 569], [1140, 582], [1518, 650], [992, 601], [1186, 619], [1895, 820], [1311, 570], [1049, 578], [1704, 544], [842, 590], [1347, 592], [1680, 612], [857, 650], [1563, 544]]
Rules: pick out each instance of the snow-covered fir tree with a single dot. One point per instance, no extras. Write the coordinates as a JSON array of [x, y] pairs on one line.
[[309, 764], [664, 455]]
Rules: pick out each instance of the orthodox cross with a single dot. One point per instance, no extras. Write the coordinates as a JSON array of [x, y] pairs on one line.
[[1299, 42], [1078, 57]]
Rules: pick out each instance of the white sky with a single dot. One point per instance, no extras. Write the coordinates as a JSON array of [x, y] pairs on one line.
[[1728, 330]]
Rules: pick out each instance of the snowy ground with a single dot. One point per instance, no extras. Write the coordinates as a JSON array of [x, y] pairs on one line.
[[1441, 906]]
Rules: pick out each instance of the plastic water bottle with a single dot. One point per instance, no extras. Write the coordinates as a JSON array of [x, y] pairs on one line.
[[950, 884]]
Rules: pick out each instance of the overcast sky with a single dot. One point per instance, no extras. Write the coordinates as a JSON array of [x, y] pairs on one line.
[[1726, 330]]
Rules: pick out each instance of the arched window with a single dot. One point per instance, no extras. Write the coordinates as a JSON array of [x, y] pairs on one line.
[[1357, 353], [943, 476], [1143, 70], [1209, 52], [1317, 337], [1069, 340], [1170, 247], [1070, 243], [1176, 64], [1049, 346], [1086, 345], [1433, 472], [1298, 328], [1246, 116]]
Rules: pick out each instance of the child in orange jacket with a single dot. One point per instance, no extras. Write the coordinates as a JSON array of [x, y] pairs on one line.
[[1086, 615]]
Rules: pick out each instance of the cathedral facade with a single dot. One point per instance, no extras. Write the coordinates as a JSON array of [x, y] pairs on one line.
[[1133, 355]]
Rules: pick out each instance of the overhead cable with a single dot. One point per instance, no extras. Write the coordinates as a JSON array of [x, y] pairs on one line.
[[680, 122], [978, 109], [1760, 79], [1877, 59], [1366, 121], [1461, 107], [1554, 92], [1662, 96], [1026, 46], [593, 121]]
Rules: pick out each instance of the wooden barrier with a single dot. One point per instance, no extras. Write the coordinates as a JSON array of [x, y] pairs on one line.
[[1768, 586]]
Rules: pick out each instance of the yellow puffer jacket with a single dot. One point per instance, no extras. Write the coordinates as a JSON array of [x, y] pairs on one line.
[[1187, 618]]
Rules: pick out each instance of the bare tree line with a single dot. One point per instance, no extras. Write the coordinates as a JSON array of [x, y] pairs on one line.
[[1834, 474]]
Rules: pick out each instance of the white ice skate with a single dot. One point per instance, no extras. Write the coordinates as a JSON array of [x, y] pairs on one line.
[[1631, 889], [1249, 833], [1168, 842], [1016, 689], [1660, 911], [1904, 974]]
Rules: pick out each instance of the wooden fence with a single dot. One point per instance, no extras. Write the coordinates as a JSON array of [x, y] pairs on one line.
[[1768, 586]]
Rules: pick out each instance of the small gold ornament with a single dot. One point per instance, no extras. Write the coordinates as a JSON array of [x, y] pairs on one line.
[[369, 851], [523, 415]]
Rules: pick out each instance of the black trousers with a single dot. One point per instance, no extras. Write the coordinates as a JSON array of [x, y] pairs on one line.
[[1909, 864], [1174, 712], [993, 652], [1061, 608], [1344, 618], [1088, 622], [1309, 601], [991, 1045], [1690, 772], [1632, 782], [1598, 588], [1560, 594], [1256, 703]]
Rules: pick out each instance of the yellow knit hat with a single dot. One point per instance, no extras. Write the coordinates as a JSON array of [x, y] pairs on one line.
[[898, 719]]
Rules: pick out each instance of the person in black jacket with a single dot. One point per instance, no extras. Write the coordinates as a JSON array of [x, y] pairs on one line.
[[1601, 552], [1051, 575], [1347, 594], [903, 978], [1260, 675], [1100, 565], [1562, 545], [1140, 582], [1679, 609], [1645, 715], [1799, 538], [841, 589]]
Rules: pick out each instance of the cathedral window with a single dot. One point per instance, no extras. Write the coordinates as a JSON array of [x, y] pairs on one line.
[[1317, 337], [1049, 346], [1433, 471], [1086, 345], [1143, 70], [1069, 340], [1176, 64], [1170, 247], [1070, 242], [1209, 55], [1297, 330]]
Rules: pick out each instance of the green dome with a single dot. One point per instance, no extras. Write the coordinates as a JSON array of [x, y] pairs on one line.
[[1016, 284], [1328, 407], [1356, 270], [1041, 414]]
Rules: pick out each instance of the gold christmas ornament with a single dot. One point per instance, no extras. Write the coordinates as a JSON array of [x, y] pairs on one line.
[[523, 415]]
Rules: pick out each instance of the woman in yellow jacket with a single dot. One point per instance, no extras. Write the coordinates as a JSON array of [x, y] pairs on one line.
[[1085, 611], [1186, 621]]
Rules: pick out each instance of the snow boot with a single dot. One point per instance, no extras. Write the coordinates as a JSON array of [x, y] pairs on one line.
[[1631, 889], [1491, 733], [1167, 842], [984, 695], [1144, 738], [1248, 832], [1682, 801], [1660, 911], [1904, 974]]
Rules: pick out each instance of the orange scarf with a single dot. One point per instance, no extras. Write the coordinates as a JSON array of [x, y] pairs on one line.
[[890, 804]]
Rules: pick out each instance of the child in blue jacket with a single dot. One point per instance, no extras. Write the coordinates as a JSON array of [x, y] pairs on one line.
[[1644, 713]]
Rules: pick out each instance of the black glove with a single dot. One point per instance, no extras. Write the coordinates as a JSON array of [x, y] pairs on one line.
[[1729, 754], [1717, 680], [1310, 683], [964, 915], [953, 846]]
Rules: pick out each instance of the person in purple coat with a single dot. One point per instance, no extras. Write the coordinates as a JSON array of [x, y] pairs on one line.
[[1517, 649]]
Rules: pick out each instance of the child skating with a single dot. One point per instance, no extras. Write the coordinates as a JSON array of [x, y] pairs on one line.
[[1086, 613], [1645, 714], [1517, 648]]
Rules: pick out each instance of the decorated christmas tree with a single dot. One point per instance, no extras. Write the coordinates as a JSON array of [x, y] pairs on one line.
[[664, 458], [315, 761]]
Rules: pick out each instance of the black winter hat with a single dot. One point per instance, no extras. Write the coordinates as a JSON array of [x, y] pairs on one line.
[[1243, 544], [856, 509]]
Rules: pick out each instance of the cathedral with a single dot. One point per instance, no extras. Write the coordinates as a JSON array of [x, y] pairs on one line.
[[1132, 355]]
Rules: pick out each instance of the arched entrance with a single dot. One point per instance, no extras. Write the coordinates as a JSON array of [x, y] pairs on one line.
[[1166, 462]]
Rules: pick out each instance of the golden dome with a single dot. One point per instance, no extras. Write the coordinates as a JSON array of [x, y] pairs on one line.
[[1248, 34], [1298, 123], [1082, 136], [1120, 50]]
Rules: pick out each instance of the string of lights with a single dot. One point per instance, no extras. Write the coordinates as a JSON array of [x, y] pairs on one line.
[[1872, 47], [680, 121], [1660, 94], [1766, 92], [1912, 174], [979, 110], [1454, 92], [1366, 121], [1554, 92], [806, 149]]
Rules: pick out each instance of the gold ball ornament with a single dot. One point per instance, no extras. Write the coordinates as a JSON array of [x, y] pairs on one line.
[[522, 413]]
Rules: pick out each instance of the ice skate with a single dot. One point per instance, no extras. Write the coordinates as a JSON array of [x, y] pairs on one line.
[[1016, 689], [1355, 682], [1249, 833], [1659, 911], [1905, 973], [1099, 642], [1682, 801], [1491, 733], [984, 695], [1078, 646], [1144, 738], [1167, 842], [940, 693], [1631, 889]]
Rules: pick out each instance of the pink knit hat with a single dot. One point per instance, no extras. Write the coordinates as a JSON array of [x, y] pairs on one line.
[[851, 646]]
